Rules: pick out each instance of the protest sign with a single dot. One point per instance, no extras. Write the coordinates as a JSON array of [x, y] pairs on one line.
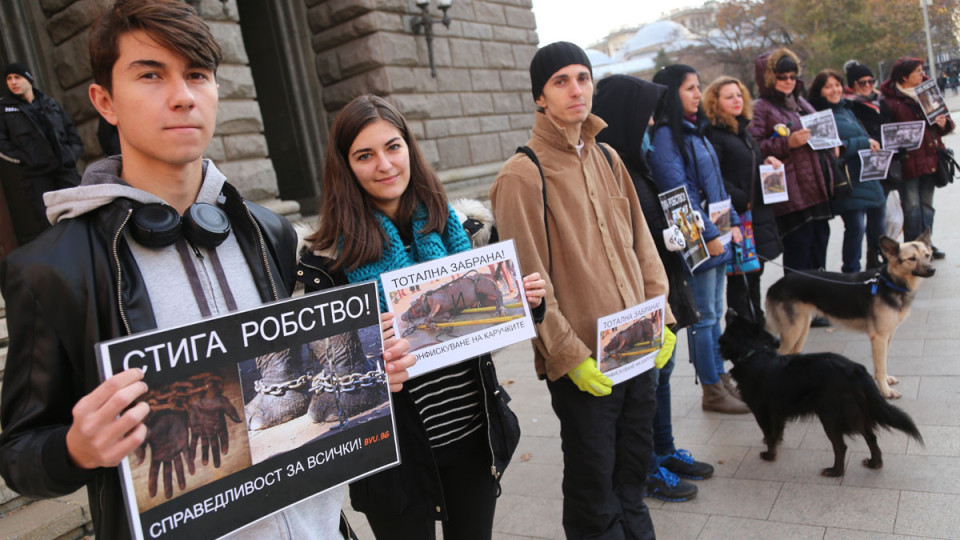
[[628, 341], [906, 135], [773, 184], [931, 100], [874, 165], [720, 216], [678, 211], [459, 306], [229, 425], [823, 129]]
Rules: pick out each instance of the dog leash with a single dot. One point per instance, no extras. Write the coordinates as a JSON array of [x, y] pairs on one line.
[[874, 281]]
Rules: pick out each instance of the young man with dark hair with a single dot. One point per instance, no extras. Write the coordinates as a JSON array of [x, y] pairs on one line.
[[599, 258], [37, 135], [96, 275]]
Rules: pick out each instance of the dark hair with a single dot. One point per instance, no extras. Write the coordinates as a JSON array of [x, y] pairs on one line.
[[171, 23], [348, 223], [903, 67], [816, 99], [670, 111]]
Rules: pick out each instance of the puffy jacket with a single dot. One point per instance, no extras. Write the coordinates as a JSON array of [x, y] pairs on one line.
[[74, 286], [865, 194], [740, 159], [626, 103], [806, 185], [414, 488], [22, 140], [899, 107], [701, 176]]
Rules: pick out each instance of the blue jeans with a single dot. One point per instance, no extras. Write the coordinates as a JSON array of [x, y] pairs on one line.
[[703, 337], [853, 232], [662, 421], [916, 198]]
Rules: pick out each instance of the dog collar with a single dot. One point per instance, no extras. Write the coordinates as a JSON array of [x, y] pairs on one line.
[[888, 283]]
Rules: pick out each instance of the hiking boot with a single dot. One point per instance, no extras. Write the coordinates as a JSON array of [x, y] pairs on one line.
[[681, 463], [666, 486], [730, 385], [717, 399]]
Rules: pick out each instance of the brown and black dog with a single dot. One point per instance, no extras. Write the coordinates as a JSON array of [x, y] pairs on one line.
[[870, 302]]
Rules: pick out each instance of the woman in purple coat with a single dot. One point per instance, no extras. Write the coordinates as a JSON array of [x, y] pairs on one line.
[[802, 220]]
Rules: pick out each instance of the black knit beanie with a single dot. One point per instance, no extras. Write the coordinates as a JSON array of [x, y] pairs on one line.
[[856, 70], [552, 59], [20, 70], [786, 64]]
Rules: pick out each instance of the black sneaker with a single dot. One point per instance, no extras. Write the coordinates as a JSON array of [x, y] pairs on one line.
[[666, 486], [819, 322], [937, 254], [681, 463]]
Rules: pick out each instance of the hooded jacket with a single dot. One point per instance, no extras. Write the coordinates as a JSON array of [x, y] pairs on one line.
[[626, 104], [806, 185], [78, 284], [899, 107], [23, 141]]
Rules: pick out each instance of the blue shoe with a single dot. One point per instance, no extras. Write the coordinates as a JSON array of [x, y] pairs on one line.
[[666, 486], [681, 463]]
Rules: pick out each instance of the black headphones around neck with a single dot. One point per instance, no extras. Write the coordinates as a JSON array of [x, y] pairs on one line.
[[157, 225]]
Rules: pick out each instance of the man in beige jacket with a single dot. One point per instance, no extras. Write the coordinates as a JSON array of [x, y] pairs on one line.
[[599, 257]]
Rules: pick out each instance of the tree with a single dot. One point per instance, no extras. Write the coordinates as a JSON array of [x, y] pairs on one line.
[[661, 60]]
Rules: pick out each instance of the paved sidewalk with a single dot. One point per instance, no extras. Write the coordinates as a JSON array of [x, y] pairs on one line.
[[916, 494]]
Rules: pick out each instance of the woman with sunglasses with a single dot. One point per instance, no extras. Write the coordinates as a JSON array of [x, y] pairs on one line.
[[803, 218], [385, 209]]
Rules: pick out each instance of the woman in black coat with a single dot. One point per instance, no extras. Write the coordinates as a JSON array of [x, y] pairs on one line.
[[727, 104]]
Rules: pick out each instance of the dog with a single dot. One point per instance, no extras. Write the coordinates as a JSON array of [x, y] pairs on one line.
[[836, 389], [870, 302]]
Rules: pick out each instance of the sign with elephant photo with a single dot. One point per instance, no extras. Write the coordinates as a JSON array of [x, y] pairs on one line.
[[460, 306], [253, 411], [628, 341]]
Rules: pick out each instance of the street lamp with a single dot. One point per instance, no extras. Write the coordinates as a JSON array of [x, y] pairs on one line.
[[926, 27], [426, 21]]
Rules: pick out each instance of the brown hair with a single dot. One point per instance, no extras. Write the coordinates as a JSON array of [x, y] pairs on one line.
[[903, 67], [711, 103], [348, 223], [816, 88], [171, 23]]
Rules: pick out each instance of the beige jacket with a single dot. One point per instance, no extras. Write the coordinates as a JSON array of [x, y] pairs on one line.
[[604, 259]]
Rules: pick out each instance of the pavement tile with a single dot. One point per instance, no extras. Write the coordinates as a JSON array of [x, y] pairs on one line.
[[687, 431], [791, 466], [847, 534], [746, 432], [733, 497], [916, 473], [670, 524], [938, 441], [891, 442], [534, 479], [726, 528], [528, 517], [543, 450], [725, 459], [928, 515], [837, 506]]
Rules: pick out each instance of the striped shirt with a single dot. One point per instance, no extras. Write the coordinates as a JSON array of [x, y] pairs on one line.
[[449, 403]]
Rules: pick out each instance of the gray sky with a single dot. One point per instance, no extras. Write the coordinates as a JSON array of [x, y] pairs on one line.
[[586, 21]]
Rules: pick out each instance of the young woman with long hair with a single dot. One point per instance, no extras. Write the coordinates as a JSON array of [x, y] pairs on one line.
[[385, 209]]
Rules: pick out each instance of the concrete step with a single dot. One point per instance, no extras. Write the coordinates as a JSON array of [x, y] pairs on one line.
[[63, 518]]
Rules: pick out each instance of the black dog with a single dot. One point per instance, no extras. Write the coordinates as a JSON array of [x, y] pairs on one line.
[[837, 390]]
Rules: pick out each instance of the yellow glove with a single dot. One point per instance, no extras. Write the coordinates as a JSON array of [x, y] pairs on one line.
[[589, 379], [666, 350]]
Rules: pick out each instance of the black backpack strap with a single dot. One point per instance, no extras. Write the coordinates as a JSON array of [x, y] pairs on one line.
[[606, 154], [527, 151]]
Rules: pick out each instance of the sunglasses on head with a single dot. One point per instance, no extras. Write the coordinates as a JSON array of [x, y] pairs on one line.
[[867, 82], [786, 77]]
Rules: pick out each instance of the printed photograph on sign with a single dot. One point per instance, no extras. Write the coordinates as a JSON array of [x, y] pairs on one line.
[[874, 165], [194, 436], [628, 341], [906, 135], [931, 100], [254, 411], [457, 307], [720, 216], [343, 385], [679, 213], [823, 129], [773, 184]]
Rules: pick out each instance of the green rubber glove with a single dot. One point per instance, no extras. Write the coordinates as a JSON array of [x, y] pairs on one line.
[[589, 379], [666, 350]]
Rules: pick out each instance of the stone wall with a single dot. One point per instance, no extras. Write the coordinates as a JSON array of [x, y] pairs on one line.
[[477, 110], [238, 147]]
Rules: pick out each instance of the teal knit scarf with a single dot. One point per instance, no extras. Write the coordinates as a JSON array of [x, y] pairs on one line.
[[425, 247]]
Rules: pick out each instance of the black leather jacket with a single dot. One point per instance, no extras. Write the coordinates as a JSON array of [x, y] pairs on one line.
[[76, 285], [23, 140], [413, 488]]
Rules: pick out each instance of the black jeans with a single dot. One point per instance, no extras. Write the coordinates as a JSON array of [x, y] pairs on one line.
[[469, 493], [805, 248], [607, 443]]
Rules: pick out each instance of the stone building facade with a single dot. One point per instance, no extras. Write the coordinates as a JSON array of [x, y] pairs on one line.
[[289, 66]]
